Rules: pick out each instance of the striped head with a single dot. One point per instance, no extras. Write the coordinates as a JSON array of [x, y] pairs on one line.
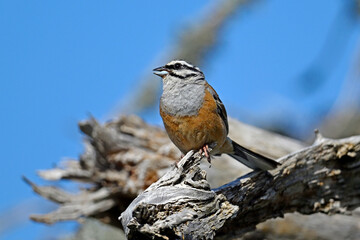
[[180, 71], [183, 88]]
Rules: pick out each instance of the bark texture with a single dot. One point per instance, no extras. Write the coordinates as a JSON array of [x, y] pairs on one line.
[[124, 157], [180, 205], [323, 178]]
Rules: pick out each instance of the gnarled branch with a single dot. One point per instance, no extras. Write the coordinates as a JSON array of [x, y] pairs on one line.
[[124, 157], [324, 177]]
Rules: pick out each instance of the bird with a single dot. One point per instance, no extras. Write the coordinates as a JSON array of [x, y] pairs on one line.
[[195, 118]]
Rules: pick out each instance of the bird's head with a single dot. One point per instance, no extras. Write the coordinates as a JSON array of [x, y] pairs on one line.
[[179, 70]]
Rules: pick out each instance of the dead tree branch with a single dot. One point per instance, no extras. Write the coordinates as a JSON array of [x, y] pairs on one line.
[[180, 204], [324, 178], [122, 158]]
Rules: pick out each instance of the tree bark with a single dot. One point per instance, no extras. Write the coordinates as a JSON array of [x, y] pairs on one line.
[[124, 157], [324, 177]]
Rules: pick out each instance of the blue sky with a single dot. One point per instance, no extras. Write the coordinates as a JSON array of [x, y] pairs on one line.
[[61, 60]]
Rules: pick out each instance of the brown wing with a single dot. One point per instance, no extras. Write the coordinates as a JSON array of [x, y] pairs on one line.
[[220, 106]]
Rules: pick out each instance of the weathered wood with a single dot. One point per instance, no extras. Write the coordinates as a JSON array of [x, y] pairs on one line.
[[123, 157], [180, 205], [324, 177]]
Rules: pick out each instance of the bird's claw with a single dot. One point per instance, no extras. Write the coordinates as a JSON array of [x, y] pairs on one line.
[[206, 151]]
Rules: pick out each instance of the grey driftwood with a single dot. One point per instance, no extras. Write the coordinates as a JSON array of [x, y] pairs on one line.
[[324, 177], [124, 157], [179, 205]]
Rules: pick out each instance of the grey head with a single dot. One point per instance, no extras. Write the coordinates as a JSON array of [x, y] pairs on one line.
[[183, 88]]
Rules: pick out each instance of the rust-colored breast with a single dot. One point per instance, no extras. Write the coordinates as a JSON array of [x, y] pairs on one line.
[[193, 132]]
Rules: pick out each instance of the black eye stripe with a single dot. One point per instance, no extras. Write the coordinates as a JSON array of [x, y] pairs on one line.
[[182, 66], [170, 66], [175, 75], [184, 77], [191, 75]]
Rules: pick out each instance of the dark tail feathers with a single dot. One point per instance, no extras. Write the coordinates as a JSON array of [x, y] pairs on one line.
[[251, 159]]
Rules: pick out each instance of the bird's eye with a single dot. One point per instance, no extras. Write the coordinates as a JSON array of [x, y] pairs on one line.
[[177, 66]]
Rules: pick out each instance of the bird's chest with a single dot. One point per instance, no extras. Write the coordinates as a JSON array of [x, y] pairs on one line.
[[182, 100], [200, 126]]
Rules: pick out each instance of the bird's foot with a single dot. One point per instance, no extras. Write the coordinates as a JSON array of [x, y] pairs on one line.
[[206, 151]]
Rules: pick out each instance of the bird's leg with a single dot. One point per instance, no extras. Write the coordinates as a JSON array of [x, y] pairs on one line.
[[206, 151]]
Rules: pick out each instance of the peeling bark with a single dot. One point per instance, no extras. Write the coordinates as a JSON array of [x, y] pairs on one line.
[[121, 159], [180, 205], [323, 178], [124, 157]]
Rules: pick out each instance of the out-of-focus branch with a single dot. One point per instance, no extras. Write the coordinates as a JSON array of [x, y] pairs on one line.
[[121, 159], [265, 142], [344, 117], [194, 43]]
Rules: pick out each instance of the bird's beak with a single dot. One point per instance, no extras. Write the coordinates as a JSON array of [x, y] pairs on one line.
[[161, 71]]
